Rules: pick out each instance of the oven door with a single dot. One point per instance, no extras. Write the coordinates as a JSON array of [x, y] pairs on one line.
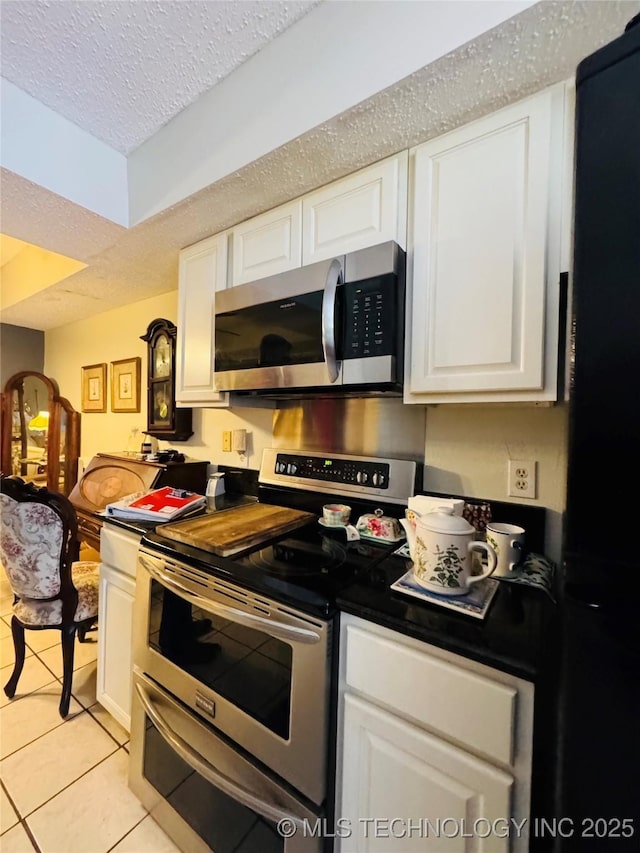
[[203, 793], [280, 332], [257, 670]]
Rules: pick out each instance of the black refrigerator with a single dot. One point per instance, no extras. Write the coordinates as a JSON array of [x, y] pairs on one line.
[[598, 723]]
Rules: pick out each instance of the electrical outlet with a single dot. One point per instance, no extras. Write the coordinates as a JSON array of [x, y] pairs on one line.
[[242, 461], [226, 441], [522, 478]]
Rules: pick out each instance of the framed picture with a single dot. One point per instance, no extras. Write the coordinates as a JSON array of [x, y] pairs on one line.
[[94, 388], [125, 385]]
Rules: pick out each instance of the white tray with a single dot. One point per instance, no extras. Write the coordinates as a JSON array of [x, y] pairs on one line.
[[474, 603]]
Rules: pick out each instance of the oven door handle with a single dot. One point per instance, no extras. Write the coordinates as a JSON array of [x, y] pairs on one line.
[[269, 810], [334, 275], [272, 627]]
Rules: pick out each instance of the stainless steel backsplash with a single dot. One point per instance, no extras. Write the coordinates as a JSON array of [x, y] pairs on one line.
[[368, 426]]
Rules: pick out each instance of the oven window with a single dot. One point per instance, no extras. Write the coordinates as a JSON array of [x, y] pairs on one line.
[[224, 824], [271, 334], [247, 667]]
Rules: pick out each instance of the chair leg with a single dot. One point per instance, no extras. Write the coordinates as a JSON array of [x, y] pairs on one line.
[[18, 644], [68, 640], [84, 628]]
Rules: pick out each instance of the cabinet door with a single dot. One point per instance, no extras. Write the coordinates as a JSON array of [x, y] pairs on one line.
[[115, 617], [361, 210], [202, 271], [485, 236], [396, 773], [268, 244]]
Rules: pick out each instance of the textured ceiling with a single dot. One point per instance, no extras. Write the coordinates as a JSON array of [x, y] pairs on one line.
[[121, 69], [540, 46], [9, 248]]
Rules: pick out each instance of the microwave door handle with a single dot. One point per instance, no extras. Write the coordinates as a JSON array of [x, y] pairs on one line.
[[270, 811], [334, 276], [276, 629]]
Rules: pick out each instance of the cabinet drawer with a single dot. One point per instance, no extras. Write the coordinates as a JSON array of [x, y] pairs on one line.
[[466, 707], [119, 549]]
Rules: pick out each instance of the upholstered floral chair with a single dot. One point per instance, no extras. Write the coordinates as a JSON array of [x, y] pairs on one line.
[[39, 551]]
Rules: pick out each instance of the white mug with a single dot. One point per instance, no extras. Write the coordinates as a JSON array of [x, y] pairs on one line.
[[507, 541]]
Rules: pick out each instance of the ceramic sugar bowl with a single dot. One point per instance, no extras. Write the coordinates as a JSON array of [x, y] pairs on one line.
[[441, 549], [376, 525]]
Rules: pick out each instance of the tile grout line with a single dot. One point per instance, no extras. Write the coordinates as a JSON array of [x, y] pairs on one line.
[[120, 840], [61, 723], [87, 709], [63, 720], [22, 820], [81, 776], [104, 728]]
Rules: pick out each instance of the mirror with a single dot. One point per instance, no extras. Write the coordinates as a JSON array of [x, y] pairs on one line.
[[40, 433]]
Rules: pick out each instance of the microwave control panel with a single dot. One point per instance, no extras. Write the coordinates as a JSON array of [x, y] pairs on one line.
[[334, 470], [370, 317]]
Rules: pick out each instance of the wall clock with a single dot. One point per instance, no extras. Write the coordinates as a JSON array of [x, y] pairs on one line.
[[164, 420]]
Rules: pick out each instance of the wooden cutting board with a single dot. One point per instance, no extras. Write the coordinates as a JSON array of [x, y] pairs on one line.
[[235, 530]]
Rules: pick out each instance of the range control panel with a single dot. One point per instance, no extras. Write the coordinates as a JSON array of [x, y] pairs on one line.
[[336, 473], [334, 470]]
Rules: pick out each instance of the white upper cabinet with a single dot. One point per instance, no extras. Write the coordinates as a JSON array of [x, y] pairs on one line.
[[485, 244], [267, 244], [358, 211], [202, 272], [355, 212]]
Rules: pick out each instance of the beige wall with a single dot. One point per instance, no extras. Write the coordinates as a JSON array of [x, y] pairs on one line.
[[467, 450], [466, 447], [115, 335]]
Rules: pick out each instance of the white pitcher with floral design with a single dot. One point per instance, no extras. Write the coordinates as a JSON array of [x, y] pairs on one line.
[[441, 549]]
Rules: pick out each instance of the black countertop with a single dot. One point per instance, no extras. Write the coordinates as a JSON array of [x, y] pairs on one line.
[[140, 526], [511, 637]]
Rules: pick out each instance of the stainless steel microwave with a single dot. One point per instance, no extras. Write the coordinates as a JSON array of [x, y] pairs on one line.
[[336, 324]]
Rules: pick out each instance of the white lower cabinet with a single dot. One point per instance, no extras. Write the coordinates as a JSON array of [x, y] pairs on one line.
[[434, 750], [118, 552], [401, 775]]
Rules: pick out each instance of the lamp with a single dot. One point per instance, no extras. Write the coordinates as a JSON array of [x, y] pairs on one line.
[[38, 427], [39, 423]]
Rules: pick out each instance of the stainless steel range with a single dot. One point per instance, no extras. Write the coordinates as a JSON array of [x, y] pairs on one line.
[[231, 719]]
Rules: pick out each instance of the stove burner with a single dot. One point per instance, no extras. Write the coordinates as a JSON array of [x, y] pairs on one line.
[[296, 558]]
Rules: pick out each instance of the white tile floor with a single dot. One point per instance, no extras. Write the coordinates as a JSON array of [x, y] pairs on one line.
[[63, 783]]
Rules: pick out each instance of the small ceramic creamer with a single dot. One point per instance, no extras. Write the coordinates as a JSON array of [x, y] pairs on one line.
[[441, 546]]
